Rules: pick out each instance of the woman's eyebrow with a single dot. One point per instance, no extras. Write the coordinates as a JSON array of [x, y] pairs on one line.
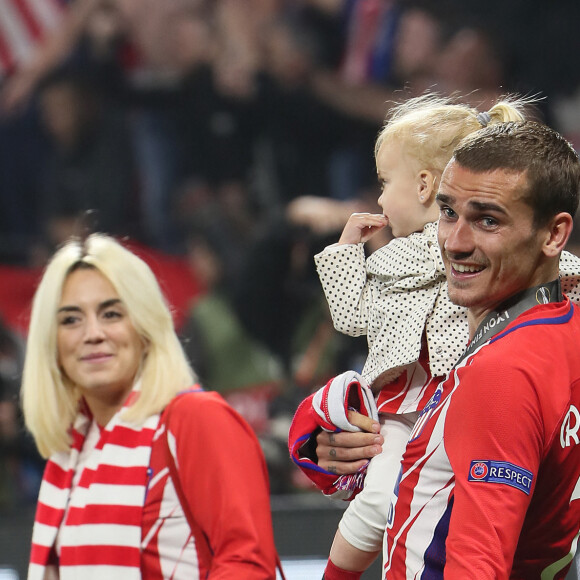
[[102, 305]]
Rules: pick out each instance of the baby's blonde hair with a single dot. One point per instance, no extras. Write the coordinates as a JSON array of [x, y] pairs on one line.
[[429, 127]]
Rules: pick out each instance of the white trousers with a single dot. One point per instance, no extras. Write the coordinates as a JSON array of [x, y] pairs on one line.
[[364, 521]]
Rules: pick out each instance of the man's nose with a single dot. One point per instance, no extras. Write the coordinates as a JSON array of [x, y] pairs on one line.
[[457, 238]]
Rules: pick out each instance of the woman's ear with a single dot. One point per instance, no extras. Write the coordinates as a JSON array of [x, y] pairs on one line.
[[426, 186], [146, 345]]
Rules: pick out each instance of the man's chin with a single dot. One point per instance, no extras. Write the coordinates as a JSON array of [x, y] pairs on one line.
[[461, 297]]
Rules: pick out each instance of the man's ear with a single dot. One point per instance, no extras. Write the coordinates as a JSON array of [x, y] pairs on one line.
[[426, 186], [557, 234]]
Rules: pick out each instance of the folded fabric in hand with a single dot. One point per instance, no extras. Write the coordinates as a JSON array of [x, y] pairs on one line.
[[347, 391]]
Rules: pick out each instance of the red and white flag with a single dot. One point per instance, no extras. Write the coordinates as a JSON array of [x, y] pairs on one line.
[[23, 24]]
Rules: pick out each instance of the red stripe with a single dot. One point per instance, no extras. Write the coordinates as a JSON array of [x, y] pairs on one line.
[[6, 60], [129, 437], [56, 475], [47, 515], [77, 439], [28, 18], [39, 554], [113, 475], [103, 555]]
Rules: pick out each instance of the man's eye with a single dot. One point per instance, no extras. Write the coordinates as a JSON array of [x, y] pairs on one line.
[[447, 212], [489, 222]]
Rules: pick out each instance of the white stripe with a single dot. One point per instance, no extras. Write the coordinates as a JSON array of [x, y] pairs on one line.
[[47, 14], [159, 432], [43, 535], [64, 459], [101, 535], [550, 572], [110, 495], [151, 534], [95, 572], [53, 496], [421, 531], [417, 382], [172, 444], [157, 477], [119, 456], [151, 423], [35, 572], [576, 492], [14, 30], [177, 555]]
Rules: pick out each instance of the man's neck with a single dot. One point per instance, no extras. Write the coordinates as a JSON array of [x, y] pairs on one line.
[[541, 293]]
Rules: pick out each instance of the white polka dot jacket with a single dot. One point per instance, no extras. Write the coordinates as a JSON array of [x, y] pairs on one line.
[[399, 292]]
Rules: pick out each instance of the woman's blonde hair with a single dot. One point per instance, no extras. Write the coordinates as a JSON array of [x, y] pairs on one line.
[[429, 127], [50, 401]]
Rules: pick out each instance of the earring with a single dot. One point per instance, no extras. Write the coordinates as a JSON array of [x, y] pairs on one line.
[[422, 197]]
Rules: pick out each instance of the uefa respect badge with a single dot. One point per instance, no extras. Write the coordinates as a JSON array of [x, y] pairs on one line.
[[502, 472]]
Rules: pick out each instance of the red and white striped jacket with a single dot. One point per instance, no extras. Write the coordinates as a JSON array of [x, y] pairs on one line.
[[124, 519]]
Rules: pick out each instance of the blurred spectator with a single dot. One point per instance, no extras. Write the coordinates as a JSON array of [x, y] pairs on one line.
[[20, 465], [90, 163], [277, 297], [226, 357], [216, 119], [303, 130], [471, 63], [418, 41], [22, 154], [230, 360], [371, 28]]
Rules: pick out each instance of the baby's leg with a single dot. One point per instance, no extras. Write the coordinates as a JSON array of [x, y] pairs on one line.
[[360, 532]]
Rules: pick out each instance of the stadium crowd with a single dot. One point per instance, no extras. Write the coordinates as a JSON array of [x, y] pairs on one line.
[[227, 142]]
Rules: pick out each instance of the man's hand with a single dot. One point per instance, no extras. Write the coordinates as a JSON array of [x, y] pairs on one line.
[[346, 452]]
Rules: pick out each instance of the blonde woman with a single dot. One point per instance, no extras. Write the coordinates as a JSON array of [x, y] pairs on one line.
[[134, 486]]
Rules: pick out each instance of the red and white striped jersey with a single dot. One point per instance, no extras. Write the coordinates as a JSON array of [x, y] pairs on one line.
[[490, 481], [23, 25], [229, 500], [412, 389]]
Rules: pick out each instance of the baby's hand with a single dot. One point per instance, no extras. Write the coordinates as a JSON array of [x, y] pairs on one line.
[[361, 227]]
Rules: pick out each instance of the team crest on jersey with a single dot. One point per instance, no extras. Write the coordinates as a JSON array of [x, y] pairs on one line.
[[426, 413], [479, 470], [504, 472]]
